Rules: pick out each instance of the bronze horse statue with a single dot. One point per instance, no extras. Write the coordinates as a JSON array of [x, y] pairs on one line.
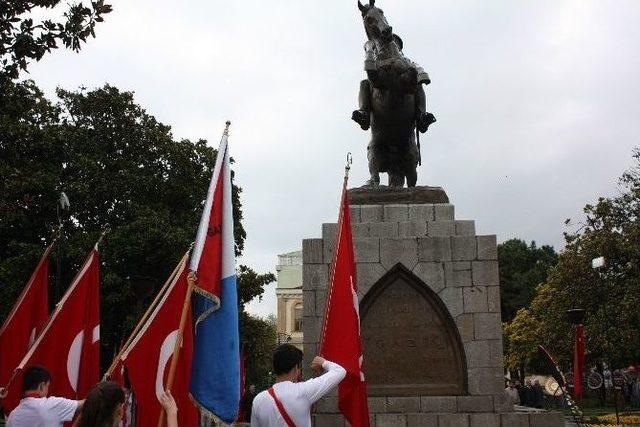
[[391, 102]]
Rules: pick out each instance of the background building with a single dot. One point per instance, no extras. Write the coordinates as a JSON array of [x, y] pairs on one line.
[[289, 298]]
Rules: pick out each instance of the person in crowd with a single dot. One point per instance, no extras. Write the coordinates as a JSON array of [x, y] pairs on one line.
[[37, 409], [521, 391], [511, 392], [288, 402], [105, 405], [635, 392], [247, 401], [527, 395], [538, 395]]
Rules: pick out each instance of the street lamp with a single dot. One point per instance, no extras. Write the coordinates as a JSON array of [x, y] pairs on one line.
[[597, 263]]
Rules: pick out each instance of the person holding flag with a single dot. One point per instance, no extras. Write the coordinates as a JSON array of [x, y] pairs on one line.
[[37, 408], [289, 401]]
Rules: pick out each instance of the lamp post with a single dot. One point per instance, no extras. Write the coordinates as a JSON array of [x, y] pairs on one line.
[[576, 315], [599, 264]]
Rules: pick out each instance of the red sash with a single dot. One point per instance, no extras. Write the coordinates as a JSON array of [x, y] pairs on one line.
[[283, 412]]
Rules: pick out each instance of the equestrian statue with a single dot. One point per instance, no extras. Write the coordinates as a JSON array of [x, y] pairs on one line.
[[392, 102]]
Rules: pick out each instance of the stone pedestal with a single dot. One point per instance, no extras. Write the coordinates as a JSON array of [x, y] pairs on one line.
[[430, 316]]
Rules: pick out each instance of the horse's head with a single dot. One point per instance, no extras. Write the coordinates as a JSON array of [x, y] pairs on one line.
[[375, 24]]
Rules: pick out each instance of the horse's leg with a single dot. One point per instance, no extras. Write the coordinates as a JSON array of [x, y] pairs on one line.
[[396, 179], [412, 177], [410, 163], [374, 165]]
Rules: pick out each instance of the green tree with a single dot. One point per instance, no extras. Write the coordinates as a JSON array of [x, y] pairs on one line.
[[120, 167], [522, 268], [521, 338], [259, 340], [23, 40], [258, 336], [611, 297]]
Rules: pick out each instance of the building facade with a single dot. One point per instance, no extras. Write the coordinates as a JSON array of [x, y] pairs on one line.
[[289, 298]]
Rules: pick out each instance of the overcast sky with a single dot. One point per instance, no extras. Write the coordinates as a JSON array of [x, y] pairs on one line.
[[537, 102]]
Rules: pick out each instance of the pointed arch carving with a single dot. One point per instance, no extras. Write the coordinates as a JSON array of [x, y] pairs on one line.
[[412, 346]]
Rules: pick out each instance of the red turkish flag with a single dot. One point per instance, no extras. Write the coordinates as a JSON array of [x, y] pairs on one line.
[[148, 358], [69, 345], [340, 342], [25, 321]]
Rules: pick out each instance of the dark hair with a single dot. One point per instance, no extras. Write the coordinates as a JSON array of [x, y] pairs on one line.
[[99, 408], [285, 358], [33, 376]]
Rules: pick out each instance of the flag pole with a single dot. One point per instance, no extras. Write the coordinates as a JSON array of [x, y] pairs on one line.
[[145, 316], [347, 168], [191, 279]]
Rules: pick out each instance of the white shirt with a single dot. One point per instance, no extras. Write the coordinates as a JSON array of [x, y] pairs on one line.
[[42, 412], [296, 398]]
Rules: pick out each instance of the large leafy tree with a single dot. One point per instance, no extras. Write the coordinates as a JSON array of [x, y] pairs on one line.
[[610, 296], [121, 169], [23, 40], [522, 268]]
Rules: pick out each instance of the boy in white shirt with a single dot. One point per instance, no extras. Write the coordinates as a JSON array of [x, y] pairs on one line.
[[288, 402], [38, 410]]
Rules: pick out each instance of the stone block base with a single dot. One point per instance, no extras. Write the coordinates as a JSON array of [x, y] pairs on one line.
[[513, 419]]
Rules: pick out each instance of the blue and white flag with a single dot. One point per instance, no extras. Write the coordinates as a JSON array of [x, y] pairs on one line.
[[215, 369]]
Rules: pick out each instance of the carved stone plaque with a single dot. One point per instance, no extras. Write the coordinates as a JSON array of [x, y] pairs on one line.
[[411, 344]]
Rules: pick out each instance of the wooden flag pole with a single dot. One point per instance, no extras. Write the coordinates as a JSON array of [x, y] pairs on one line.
[[144, 317], [191, 280]]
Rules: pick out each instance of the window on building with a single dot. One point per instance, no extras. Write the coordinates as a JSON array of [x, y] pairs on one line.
[[297, 318]]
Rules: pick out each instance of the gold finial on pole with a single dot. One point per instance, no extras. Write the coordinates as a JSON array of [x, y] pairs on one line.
[[105, 230], [226, 127]]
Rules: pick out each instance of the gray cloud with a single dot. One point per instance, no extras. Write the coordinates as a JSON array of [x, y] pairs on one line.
[[537, 102]]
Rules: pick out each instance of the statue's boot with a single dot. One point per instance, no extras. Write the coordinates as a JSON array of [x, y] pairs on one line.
[[361, 117], [424, 120]]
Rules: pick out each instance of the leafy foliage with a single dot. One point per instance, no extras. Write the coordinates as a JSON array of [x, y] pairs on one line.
[[522, 268], [120, 167], [22, 39], [521, 339], [259, 340], [252, 283], [610, 296]]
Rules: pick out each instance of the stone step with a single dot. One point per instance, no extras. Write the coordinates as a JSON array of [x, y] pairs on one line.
[[511, 419], [402, 213]]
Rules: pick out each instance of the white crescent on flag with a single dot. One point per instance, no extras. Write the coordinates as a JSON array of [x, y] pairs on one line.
[[166, 351], [75, 352]]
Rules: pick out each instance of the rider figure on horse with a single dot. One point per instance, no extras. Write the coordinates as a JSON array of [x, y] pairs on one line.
[[401, 70]]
